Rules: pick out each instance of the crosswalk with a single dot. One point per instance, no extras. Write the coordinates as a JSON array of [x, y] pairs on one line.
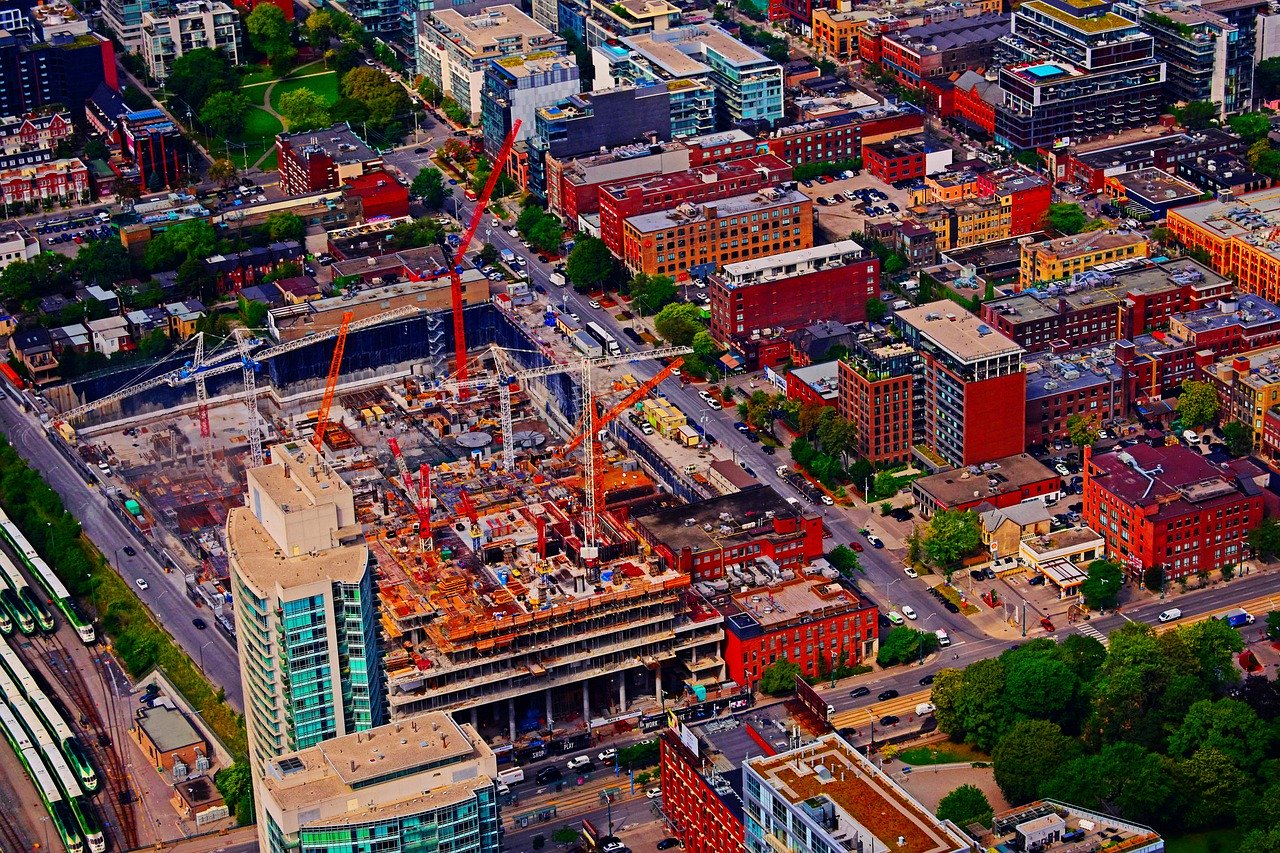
[[898, 707], [1090, 631]]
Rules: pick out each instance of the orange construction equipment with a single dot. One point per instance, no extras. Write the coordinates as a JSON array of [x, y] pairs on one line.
[[415, 493], [331, 383], [627, 402], [455, 269]]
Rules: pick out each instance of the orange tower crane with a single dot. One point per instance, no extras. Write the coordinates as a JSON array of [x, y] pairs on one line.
[[455, 269], [331, 383]]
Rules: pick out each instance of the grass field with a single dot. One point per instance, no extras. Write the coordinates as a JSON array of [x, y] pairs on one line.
[[943, 753], [260, 129], [326, 86]]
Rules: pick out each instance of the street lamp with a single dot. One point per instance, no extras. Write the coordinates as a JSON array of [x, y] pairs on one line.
[[201, 654]]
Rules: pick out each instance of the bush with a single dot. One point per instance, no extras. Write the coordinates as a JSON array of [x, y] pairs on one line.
[[903, 644]]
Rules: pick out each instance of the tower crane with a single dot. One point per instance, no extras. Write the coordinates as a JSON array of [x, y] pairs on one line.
[[454, 272], [331, 383], [593, 465], [419, 494]]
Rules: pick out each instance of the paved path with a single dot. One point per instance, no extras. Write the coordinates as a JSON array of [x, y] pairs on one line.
[[266, 105]]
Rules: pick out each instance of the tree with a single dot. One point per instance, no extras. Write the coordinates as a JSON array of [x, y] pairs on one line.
[[1208, 783], [1101, 586], [1266, 78], [706, 347], [269, 32], [836, 435], [224, 113], [102, 262], [1228, 726], [96, 149], [1264, 159], [779, 678], [1066, 218], [198, 74], [26, 281], [547, 236], [430, 92], [565, 835], [488, 254], [651, 293], [876, 310], [590, 265], [1197, 404], [252, 313], [1264, 540], [966, 805], [1239, 438], [1082, 429], [303, 109], [285, 226], [902, 644], [1042, 688], [236, 786], [223, 171], [122, 188], [951, 535], [153, 344], [1197, 115], [1122, 779], [1026, 756], [678, 323], [385, 98], [1250, 126], [319, 27], [429, 186], [844, 560]]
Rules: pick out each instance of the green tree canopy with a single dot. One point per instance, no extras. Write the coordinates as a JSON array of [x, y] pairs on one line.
[[678, 323], [1239, 438], [902, 644], [652, 293], [1122, 778], [24, 282], [103, 262], [966, 805], [1209, 783], [1250, 126], [1101, 586], [429, 186], [319, 27], [1066, 218], [303, 109], [1082, 429], [1229, 726], [590, 266], [1197, 404], [285, 226], [223, 114], [547, 236], [951, 535], [779, 678], [384, 98], [198, 74], [877, 310], [844, 560], [1029, 754], [269, 32], [836, 435], [1263, 539], [1197, 115], [223, 171]]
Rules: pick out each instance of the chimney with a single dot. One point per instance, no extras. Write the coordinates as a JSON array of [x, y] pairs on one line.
[[1240, 364]]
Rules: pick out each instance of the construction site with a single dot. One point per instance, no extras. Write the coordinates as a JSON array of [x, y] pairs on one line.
[[494, 494]]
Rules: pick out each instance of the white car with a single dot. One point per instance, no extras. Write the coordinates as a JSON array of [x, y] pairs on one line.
[[608, 755], [513, 232], [911, 573], [141, 583], [653, 793], [495, 222], [1062, 469], [594, 303], [714, 406], [826, 499], [580, 761], [613, 847], [909, 613]]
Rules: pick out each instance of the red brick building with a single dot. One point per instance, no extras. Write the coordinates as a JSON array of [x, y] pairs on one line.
[[377, 194], [665, 192], [815, 383], [285, 6], [842, 137], [896, 160], [703, 807], [975, 100], [789, 290], [791, 537], [818, 625], [1026, 194], [53, 181], [876, 392], [1168, 507], [1083, 382], [1005, 482], [322, 159]]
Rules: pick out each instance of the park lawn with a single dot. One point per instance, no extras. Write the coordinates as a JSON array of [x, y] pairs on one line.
[[325, 85], [942, 753], [260, 129]]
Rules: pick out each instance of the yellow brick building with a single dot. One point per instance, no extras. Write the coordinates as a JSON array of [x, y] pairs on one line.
[[1053, 260]]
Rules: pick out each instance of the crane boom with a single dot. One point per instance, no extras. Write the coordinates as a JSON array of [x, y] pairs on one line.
[[414, 492], [608, 417], [331, 382]]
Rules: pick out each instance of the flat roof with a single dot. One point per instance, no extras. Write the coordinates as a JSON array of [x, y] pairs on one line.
[[956, 331], [1175, 479], [765, 199], [686, 526], [733, 474], [493, 28], [781, 262], [1251, 217], [711, 173], [766, 608], [168, 728], [1049, 374], [1089, 830], [680, 51], [1089, 242], [1086, 23], [828, 772], [259, 559], [1246, 310], [1157, 186], [1001, 476]]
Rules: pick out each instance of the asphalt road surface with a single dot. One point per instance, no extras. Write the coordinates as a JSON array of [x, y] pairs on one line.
[[164, 596]]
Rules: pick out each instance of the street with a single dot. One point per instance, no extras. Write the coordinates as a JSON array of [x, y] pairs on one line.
[[165, 595]]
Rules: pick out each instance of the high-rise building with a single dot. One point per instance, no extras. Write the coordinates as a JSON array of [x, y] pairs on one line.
[[691, 99], [608, 21], [306, 610], [879, 391], [60, 65], [422, 784], [515, 87], [454, 49], [974, 384], [177, 30], [1075, 68]]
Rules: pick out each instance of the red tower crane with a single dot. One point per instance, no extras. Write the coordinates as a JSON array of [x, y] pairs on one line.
[[421, 505], [331, 382], [455, 269]]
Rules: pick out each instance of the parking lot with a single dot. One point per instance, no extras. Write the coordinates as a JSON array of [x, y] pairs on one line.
[[841, 219]]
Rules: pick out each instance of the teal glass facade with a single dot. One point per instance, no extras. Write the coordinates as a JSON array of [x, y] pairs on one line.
[[306, 671], [363, 696]]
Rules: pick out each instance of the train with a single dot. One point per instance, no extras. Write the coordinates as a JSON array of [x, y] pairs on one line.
[[72, 816], [17, 611], [22, 601], [52, 584], [49, 718]]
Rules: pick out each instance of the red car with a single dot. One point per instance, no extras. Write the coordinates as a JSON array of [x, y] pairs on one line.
[[857, 546], [1046, 624]]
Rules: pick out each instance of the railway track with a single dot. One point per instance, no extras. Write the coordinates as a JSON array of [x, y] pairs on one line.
[[100, 740], [10, 838]]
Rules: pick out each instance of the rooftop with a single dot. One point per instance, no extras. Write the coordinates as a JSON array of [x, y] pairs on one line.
[[1157, 186], [957, 332], [733, 474], [762, 609], [707, 525], [680, 52], [757, 270], [1175, 479], [1104, 284], [1246, 310], [1049, 374], [950, 34], [711, 173], [1253, 218], [1077, 829], [823, 378], [846, 793], [1089, 243], [339, 141], [905, 146], [1010, 474], [765, 199], [167, 728], [343, 765], [500, 29], [1258, 369], [1092, 18]]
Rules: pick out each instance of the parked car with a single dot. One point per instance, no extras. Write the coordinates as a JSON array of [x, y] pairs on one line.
[[887, 695], [608, 755], [861, 690], [910, 572], [888, 720], [579, 761], [909, 612]]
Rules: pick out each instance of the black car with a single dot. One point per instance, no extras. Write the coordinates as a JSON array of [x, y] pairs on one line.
[[887, 695], [199, 623], [668, 843], [1037, 580], [847, 733], [951, 606], [889, 720], [128, 549], [548, 775], [864, 690], [928, 679], [421, 150], [768, 450], [884, 621], [539, 288], [977, 574], [543, 259]]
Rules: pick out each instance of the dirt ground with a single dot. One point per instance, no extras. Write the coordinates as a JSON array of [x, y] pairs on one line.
[[930, 784]]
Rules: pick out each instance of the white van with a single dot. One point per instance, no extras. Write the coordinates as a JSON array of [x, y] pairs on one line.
[[944, 639], [901, 305], [512, 776], [1171, 614]]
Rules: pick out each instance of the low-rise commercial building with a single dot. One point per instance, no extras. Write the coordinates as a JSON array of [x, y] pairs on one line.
[[941, 48], [1000, 483], [1222, 174], [1087, 383], [322, 159], [1149, 194], [816, 383], [425, 777], [167, 738], [841, 137], [1238, 236], [1168, 507], [1063, 257], [697, 239], [904, 159], [1248, 386], [1092, 162]]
